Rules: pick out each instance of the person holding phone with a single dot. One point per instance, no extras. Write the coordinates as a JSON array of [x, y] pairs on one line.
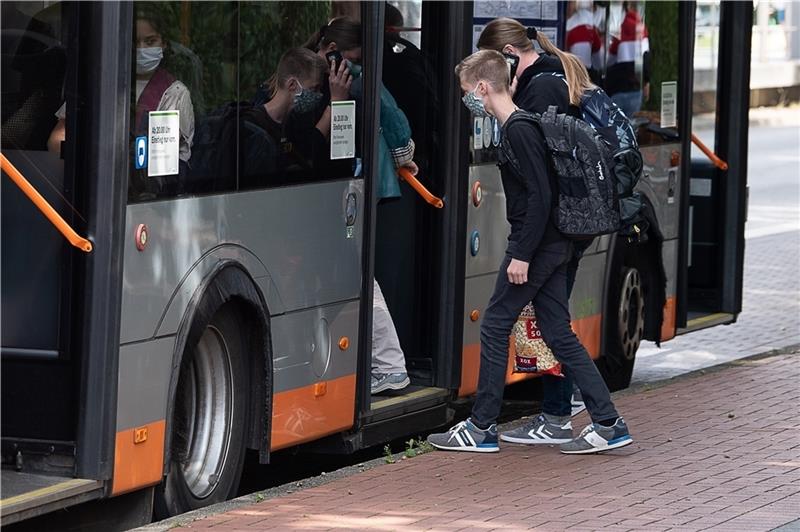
[[340, 40]]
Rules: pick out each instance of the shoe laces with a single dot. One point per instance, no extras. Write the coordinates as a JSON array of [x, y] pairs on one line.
[[586, 430]]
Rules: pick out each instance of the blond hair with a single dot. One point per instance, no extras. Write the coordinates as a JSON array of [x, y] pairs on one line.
[[487, 65], [298, 63], [506, 31]]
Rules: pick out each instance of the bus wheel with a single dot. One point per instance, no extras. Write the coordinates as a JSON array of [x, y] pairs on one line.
[[624, 329], [209, 420]]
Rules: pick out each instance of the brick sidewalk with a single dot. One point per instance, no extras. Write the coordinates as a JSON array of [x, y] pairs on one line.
[[717, 451]]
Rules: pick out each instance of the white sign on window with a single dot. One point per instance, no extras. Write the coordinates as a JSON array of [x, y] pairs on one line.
[[669, 104], [164, 133], [343, 129]]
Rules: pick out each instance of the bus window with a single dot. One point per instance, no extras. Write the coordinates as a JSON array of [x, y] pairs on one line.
[[185, 68], [640, 65], [251, 101], [285, 134]]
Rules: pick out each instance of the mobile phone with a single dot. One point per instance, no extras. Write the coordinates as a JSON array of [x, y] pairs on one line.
[[334, 55], [513, 62]]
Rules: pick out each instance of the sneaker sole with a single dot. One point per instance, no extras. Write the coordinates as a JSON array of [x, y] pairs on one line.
[[528, 441], [594, 450], [391, 386], [577, 410], [468, 449]]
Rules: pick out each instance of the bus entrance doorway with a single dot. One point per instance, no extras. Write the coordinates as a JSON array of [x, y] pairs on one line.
[[716, 202], [411, 250]]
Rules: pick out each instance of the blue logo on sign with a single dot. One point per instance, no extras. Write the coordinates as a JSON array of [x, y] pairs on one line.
[[140, 157]]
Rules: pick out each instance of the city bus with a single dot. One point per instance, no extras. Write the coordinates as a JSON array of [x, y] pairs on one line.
[[158, 323]]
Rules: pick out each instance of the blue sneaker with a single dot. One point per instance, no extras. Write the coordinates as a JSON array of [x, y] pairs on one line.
[[596, 438], [466, 437]]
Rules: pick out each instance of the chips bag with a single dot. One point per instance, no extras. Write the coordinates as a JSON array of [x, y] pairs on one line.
[[532, 354]]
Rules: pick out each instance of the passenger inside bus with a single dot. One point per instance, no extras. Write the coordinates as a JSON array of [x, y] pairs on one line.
[[395, 150], [284, 139], [157, 89]]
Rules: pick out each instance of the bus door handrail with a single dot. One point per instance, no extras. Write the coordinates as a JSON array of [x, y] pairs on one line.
[[409, 178], [716, 161], [44, 207]]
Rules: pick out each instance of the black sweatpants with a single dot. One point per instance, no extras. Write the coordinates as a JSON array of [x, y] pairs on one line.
[[547, 288]]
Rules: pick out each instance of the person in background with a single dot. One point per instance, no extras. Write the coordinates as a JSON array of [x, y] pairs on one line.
[[157, 89], [583, 37], [536, 90], [395, 150], [628, 59], [534, 269]]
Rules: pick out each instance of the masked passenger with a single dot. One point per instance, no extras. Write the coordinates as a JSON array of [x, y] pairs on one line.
[[157, 89], [395, 150]]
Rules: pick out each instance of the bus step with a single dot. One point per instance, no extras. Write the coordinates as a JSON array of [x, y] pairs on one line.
[[27, 495]]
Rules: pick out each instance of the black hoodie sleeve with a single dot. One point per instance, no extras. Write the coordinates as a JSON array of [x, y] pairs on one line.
[[542, 92], [528, 144]]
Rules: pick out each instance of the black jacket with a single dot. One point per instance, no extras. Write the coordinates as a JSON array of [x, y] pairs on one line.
[[536, 95], [529, 197]]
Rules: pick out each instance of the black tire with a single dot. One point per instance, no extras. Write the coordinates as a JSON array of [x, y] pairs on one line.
[[624, 327], [209, 420]]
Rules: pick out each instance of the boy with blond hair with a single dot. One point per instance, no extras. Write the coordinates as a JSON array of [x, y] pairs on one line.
[[534, 269]]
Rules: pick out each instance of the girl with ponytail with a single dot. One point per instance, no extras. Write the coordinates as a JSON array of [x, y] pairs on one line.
[[510, 37], [535, 89]]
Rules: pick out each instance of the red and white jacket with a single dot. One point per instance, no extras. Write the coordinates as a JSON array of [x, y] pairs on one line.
[[583, 39], [632, 42]]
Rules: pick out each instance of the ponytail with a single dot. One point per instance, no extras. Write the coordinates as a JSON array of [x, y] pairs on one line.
[[578, 81], [503, 31]]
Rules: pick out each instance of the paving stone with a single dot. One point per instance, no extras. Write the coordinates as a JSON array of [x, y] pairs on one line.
[[726, 479]]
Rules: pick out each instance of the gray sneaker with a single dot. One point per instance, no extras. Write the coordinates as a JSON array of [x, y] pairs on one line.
[[539, 431], [389, 381], [596, 438], [465, 436]]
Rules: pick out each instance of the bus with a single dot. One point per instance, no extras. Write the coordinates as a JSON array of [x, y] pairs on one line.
[[190, 318]]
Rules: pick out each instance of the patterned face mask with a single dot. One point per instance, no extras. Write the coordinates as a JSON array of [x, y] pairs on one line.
[[306, 100], [355, 69], [474, 104]]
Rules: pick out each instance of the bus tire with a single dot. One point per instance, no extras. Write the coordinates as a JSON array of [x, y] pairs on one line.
[[624, 328], [210, 419]]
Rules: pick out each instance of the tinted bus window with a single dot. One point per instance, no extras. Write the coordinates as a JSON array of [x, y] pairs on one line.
[[236, 90]]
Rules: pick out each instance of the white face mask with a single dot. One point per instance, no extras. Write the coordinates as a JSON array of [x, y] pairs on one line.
[[147, 59]]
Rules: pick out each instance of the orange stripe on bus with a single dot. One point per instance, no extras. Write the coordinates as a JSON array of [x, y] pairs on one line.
[[137, 465], [588, 331], [305, 414], [668, 323]]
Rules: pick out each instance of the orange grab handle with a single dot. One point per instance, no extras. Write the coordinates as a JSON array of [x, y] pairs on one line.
[[408, 177], [719, 163], [50, 213]]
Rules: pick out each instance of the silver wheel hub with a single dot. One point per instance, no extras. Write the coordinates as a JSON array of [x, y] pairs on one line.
[[206, 405]]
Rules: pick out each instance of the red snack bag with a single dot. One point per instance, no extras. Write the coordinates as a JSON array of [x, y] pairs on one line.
[[532, 354]]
